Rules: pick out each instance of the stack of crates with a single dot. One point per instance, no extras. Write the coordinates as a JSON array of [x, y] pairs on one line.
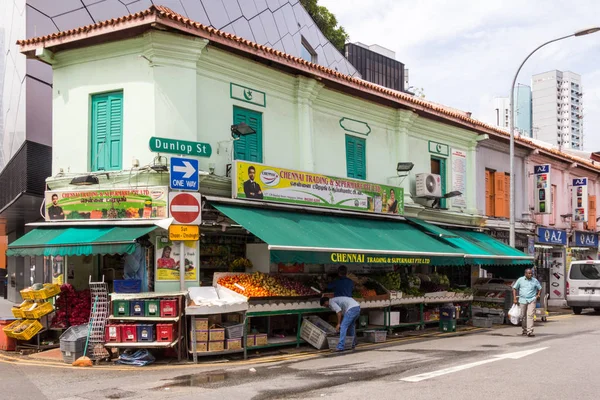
[[448, 319], [72, 343]]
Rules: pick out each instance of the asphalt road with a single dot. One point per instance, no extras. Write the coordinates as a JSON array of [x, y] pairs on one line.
[[561, 362]]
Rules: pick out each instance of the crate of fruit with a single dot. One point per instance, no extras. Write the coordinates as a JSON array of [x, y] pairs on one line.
[[27, 329], [27, 294], [10, 328], [19, 311], [375, 336], [38, 310], [49, 290]]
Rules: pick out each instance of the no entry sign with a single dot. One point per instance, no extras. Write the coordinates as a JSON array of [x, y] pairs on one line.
[[185, 208]]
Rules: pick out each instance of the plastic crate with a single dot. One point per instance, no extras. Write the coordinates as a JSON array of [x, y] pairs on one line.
[[70, 357], [19, 311], [447, 313], [314, 330], [152, 308], [233, 330], [137, 308], [448, 325], [375, 336], [121, 308], [333, 341], [27, 294], [32, 327], [127, 286], [168, 308], [8, 329], [128, 333], [482, 322], [39, 311], [165, 332], [496, 318], [112, 334], [73, 339], [145, 333], [49, 290]]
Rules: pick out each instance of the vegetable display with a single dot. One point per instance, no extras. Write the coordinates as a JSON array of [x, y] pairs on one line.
[[72, 307], [259, 284]]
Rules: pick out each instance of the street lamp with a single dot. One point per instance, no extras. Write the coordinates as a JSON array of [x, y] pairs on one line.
[[511, 128]]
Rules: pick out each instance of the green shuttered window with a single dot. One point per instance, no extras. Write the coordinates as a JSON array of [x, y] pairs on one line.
[[356, 160], [107, 132], [249, 147]]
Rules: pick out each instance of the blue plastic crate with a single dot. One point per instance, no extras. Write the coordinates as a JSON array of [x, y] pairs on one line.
[[128, 286], [145, 333], [137, 308]]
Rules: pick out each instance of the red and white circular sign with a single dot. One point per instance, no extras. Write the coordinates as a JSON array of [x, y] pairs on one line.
[[185, 208]]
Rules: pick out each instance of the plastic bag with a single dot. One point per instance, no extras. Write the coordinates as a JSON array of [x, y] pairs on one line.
[[514, 314]]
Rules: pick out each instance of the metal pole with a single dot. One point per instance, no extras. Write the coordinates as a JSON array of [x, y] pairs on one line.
[[182, 266], [511, 129]]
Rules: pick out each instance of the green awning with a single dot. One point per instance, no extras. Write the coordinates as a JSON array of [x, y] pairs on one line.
[[78, 241], [478, 247], [332, 239]]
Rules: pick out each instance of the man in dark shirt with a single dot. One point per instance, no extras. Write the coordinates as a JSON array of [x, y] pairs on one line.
[[342, 286], [252, 189], [55, 211]]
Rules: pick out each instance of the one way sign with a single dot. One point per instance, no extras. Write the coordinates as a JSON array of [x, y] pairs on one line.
[[183, 174]]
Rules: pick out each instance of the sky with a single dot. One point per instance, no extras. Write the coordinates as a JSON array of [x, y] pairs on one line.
[[463, 53]]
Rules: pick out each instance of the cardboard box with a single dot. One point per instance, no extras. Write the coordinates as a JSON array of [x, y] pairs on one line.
[[261, 339], [215, 334], [201, 324], [378, 318], [251, 341], [200, 346], [234, 344], [201, 336], [216, 346]]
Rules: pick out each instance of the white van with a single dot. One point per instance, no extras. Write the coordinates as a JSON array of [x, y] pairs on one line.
[[583, 286]]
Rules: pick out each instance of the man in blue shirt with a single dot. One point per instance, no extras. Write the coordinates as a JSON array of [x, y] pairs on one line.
[[529, 292], [348, 311], [342, 286]]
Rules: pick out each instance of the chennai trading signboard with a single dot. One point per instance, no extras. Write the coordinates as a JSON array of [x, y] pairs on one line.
[[262, 182], [147, 203]]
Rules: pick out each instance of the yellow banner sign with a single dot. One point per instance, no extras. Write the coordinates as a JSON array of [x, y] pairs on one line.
[[184, 232]]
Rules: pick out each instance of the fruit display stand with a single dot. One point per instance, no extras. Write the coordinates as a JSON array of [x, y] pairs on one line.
[[120, 302], [208, 301], [493, 297]]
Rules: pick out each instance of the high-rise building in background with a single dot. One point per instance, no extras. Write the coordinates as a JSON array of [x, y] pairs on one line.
[[377, 64], [523, 117], [558, 108]]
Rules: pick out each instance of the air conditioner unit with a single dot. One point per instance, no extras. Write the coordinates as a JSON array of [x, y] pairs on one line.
[[429, 185]]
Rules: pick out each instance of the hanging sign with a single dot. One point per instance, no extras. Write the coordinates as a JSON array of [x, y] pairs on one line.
[[543, 186], [167, 260], [262, 182], [580, 200]]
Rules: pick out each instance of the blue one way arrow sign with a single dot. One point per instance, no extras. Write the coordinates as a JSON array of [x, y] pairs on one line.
[[184, 174]]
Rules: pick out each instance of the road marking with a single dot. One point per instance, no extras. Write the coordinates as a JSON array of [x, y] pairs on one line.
[[445, 371]]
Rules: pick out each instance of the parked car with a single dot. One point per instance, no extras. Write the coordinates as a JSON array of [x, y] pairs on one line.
[[583, 286]]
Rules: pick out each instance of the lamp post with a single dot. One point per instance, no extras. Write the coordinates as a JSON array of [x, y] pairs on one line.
[[511, 127]]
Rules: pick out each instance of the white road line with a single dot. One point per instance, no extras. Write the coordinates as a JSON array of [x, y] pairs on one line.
[[185, 209], [445, 371]]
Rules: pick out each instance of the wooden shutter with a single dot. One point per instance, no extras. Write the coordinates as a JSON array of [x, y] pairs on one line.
[[489, 193], [356, 157], [591, 224], [507, 195], [107, 132], [350, 156], [249, 147], [499, 203]]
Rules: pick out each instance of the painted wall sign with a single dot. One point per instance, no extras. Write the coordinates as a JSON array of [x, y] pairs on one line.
[[585, 239], [247, 95], [459, 177], [146, 203], [175, 146], [551, 236], [355, 126], [543, 189], [438, 148], [263, 182], [580, 200]]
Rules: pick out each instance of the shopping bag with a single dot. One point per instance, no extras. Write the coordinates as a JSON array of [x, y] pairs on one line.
[[514, 314]]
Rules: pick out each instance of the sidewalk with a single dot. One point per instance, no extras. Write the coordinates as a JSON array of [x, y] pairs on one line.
[[5, 307]]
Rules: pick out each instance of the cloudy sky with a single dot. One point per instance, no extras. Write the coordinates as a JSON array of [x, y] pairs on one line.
[[463, 53]]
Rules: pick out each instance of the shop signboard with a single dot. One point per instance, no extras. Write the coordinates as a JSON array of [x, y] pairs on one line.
[[585, 239], [543, 188], [167, 260], [360, 258], [262, 182], [551, 236], [139, 203], [580, 200]]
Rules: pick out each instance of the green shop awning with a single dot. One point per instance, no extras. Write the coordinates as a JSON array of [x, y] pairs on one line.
[[478, 247], [78, 241], [333, 239]]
